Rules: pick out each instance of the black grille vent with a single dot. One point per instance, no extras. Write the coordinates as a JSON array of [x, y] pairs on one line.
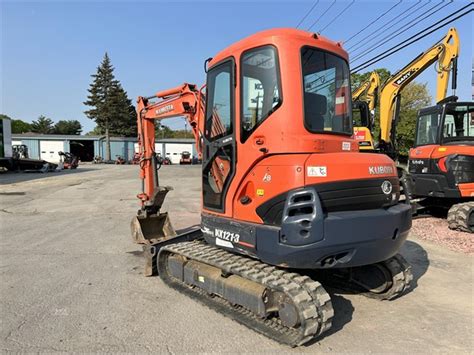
[[350, 195]]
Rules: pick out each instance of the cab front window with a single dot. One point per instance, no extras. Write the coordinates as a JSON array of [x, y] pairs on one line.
[[427, 130], [458, 123]]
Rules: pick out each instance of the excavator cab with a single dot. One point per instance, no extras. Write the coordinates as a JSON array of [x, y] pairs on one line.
[[363, 121], [442, 161], [441, 164]]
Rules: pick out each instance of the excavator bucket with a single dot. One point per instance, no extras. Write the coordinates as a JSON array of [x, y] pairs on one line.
[[149, 229]]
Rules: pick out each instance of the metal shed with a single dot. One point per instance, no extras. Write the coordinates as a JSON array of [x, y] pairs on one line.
[[47, 146]]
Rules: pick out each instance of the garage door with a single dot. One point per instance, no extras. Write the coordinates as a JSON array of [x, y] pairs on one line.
[[157, 148], [174, 150], [50, 149]]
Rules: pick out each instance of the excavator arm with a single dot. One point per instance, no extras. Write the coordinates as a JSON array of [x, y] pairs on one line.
[[370, 88], [445, 54], [365, 109], [182, 101]]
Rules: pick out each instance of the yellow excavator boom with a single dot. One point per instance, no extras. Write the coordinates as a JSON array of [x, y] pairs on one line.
[[445, 53], [370, 87]]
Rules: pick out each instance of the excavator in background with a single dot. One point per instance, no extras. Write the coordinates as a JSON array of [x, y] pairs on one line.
[[444, 54], [441, 165], [363, 111], [284, 189]]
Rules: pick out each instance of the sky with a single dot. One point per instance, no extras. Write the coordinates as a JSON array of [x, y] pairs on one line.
[[49, 49]]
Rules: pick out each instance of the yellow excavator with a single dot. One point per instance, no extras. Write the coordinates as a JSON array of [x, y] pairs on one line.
[[444, 54], [363, 112], [441, 165]]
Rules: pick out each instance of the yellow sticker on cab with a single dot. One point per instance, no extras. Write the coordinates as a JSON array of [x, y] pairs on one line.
[[260, 192]]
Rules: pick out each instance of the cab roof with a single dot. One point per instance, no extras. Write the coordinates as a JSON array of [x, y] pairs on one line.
[[277, 35]]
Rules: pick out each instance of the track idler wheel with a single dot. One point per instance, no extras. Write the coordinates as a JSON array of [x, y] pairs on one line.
[[385, 280], [461, 217]]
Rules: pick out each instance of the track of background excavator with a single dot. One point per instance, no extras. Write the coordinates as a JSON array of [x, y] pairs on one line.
[[311, 300]]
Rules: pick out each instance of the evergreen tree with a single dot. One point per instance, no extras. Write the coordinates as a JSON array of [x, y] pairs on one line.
[[111, 109], [125, 117], [43, 125], [99, 98], [97, 131]]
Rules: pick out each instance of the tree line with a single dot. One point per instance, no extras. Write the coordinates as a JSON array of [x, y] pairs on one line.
[[45, 125]]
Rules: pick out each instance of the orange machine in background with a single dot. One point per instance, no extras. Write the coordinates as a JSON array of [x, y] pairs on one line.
[[441, 164]]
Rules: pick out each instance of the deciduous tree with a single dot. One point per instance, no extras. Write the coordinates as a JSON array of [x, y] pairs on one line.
[[68, 127]]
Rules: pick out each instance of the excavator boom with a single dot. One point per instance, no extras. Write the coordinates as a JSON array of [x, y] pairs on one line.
[[445, 53]]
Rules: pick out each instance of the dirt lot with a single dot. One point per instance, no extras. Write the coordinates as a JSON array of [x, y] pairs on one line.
[[70, 280]]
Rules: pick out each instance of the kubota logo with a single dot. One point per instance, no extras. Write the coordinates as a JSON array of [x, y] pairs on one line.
[[380, 170], [164, 109]]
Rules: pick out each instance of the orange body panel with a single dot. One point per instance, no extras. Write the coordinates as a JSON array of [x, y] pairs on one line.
[[277, 174], [467, 189], [439, 151]]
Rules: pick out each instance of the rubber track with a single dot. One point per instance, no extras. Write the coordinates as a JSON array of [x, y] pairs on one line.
[[311, 300], [458, 216], [400, 282], [401, 279]]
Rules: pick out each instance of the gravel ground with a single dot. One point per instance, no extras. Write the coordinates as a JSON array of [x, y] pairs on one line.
[[436, 230]]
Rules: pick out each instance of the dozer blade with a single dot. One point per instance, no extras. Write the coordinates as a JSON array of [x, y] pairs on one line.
[[150, 229]]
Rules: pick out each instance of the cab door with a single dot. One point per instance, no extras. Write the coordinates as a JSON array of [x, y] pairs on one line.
[[219, 137]]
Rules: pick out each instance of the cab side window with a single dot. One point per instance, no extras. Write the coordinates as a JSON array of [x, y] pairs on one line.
[[219, 102], [260, 93]]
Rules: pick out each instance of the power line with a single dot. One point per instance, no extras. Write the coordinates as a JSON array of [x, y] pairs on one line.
[[320, 16], [412, 39], [361, 44], [383, 55], [381, 29], [307, 14], [373, 59], [397, 32], [337, 16], [378, 18]]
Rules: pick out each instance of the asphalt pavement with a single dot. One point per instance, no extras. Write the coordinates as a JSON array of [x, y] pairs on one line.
[[71, 279]]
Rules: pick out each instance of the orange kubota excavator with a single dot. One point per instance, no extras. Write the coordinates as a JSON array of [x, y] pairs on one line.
[[284, 187]]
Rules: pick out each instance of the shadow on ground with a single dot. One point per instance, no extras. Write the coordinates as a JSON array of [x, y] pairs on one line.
[[417, 257]]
